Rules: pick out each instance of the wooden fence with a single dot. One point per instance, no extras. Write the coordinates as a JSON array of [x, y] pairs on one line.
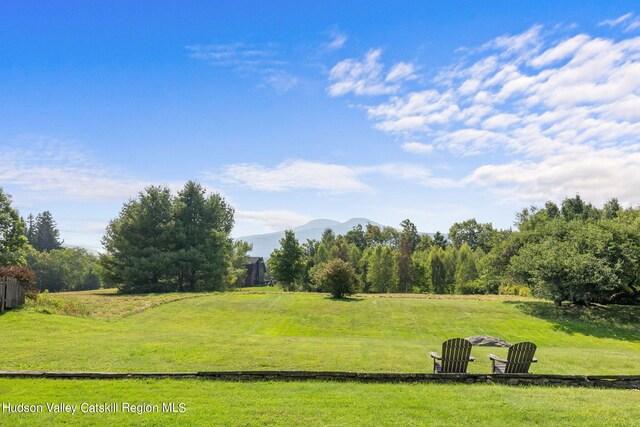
[[11, 293]]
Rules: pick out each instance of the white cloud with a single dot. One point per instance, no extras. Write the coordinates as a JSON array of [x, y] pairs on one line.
[[296, 175], [235, 54], [401, 71], [49, 169], [417, 147], [527, 42], [535, 100], [366, 76], [560, 51], [616, 21], [633, 25], [261, 60], [324, 177], [337, 40], [596, 174], [272, 220]]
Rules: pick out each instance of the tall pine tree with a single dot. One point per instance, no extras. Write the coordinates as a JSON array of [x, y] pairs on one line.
[[44, 233]]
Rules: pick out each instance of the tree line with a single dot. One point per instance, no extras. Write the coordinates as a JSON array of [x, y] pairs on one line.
[[32, 251], [573, 252], [163, 242], [160, 242]]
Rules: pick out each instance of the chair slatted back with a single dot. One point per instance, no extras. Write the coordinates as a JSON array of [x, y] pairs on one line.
[[455, 355], [520, 357]]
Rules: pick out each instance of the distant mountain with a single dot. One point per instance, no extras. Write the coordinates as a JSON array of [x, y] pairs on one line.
[[264, 244]]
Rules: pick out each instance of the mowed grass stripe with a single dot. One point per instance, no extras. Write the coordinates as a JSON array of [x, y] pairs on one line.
[[237, 331], [324, 404]]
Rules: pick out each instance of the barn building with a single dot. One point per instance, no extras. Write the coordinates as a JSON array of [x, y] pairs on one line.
[[256, 270]]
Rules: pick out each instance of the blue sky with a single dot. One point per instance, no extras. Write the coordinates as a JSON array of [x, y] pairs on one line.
[[433, 111]]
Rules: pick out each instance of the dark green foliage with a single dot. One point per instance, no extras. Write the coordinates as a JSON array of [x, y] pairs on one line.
[[466, 270], [575, 253], [356, 236], [202, 249], [439, 240], [409, 234], [160, 243], [405, 267], [31, 229], [239, 257], [578, 254], [373, 235], [472, 233], [69, 269], [328, 237], [382, 273], [336, 277], [13, 242], [436, 270], [43, 233], [611, 209], [574, 208], [286, 264]]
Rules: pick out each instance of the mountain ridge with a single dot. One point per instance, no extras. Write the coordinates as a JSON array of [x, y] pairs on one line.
[[264, 244]]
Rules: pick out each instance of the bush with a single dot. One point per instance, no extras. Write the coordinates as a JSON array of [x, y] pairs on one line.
[[514, 289], [23, 274], [337, 277], [473, 287]]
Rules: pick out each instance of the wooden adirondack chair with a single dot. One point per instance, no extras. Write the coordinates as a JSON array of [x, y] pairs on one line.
[[518, 360], [456, 355]]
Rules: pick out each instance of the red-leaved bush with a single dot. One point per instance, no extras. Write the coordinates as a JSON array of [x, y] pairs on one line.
[[23, 274]]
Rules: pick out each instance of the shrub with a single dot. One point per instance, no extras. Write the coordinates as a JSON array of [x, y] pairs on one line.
[[470, 288], [23, 274], [514, 289], [337, 277]]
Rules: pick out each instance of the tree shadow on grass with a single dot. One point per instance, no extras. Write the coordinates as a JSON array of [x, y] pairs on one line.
[[621, 322], [345, 299]]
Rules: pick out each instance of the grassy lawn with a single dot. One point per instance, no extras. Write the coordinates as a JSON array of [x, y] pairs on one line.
[[325, 404], [249, 330], [103, 304]]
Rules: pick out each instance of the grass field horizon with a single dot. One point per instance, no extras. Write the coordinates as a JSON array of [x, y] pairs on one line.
[[268, 330]]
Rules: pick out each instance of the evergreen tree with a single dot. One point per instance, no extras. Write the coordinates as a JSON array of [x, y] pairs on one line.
[[140, 244], [31, 230], [46, 236], [202, 247], [439, 240]]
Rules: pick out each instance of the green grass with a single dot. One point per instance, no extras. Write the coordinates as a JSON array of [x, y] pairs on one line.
[[103, 304], [267, 329], [244, 330], [323, 404]]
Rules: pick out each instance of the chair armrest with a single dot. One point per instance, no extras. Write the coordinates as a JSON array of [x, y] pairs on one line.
[[534, 360], [499, 359], [472, 359], [434, 355]]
